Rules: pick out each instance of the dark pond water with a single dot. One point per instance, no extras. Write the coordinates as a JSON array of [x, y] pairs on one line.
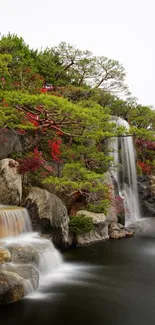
[[109, 283]]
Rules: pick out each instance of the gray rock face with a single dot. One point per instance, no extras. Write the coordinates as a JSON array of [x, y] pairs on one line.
[[100, 231], [9, 143], [11, 287], [49, 215], [146, 195], [10, 182]]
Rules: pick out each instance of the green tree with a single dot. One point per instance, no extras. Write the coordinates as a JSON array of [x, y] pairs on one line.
[[69, 135], [50, 67], [22, 67], [86, 69]]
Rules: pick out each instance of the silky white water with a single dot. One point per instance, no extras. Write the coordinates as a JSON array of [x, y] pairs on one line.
[[34, 257], [16, 235], [48, 259], [124, 171]]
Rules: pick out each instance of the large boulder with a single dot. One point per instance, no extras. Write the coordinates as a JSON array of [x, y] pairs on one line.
[[100, 231], [11, 287], [9, 143], [10, 182], [49, 215], [28, 273]]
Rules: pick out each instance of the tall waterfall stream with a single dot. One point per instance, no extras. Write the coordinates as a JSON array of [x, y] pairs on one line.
[[124, 172]]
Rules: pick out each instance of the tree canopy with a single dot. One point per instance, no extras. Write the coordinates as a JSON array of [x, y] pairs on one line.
[[60, 101]]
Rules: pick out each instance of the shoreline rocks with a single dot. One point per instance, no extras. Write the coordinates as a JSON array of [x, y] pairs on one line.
[[98, 234], [117, 231]]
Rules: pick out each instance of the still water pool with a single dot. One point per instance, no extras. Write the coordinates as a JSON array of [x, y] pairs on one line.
[[111, 283]]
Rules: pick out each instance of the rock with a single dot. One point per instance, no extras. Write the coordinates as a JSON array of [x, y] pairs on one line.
[[117, 231], [5, 256], [9, 143], [11, 182], [28, 273], [120, 226], [153, 187], [116, 234], [97, 217], [100, 231], [114, 226], [11, 287], [110, 181], [49, 215], [23, 255], [146, 195], [152, 178], [129, 232]]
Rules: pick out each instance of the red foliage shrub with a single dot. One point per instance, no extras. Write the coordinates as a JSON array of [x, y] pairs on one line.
[[146, 168], [31, 163], [54, 147]]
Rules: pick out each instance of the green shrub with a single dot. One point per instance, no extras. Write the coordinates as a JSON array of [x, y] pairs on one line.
[[80, 224], [99, 207]]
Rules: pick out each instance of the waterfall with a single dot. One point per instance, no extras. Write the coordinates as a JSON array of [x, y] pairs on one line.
[[125, 173], [13, 221], [33, 257]]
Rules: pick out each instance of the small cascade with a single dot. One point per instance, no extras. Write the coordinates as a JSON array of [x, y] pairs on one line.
[[33, 258], [13, 221], [44, 261], [124, 172]]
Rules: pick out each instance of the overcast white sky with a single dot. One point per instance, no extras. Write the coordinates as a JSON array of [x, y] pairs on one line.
[[120, 29]]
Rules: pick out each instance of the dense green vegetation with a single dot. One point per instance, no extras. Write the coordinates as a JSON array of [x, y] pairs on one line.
[[60, 100], [80, 224]]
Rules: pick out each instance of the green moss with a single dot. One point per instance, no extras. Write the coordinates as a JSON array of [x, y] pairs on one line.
[[80, 224]]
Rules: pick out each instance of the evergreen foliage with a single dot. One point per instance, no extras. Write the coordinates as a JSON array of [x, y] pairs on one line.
[[61, 99], [80, 224]]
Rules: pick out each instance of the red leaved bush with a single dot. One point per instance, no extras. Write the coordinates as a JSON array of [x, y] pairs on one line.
[[54, 146], [146, 168], [141, 143], [31, 163]]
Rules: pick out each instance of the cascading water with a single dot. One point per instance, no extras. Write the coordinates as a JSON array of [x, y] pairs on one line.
[[32, 257], [13, 221], [124, 171]]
